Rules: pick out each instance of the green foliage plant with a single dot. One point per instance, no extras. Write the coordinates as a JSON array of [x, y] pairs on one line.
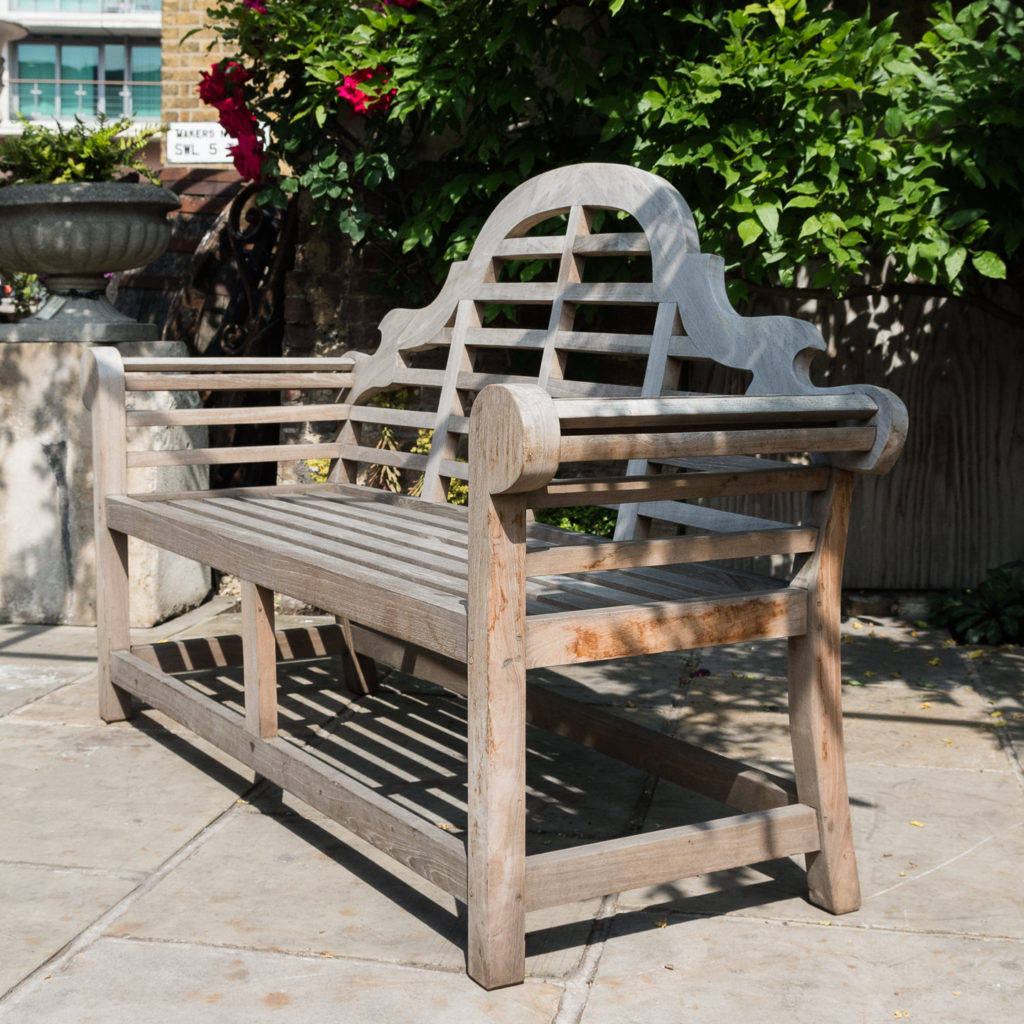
[[106, 151], [801, 135], [990, 613], [580, 519]]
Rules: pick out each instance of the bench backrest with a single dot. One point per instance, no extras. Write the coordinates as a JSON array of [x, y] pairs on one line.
[[534, 302]]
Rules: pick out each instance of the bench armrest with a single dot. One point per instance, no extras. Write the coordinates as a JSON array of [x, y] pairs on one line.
[[524, 434]]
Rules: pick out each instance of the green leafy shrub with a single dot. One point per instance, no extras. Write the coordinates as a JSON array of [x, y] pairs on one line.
[[582, 519], [827, 140], [43, 155], [990, 613]]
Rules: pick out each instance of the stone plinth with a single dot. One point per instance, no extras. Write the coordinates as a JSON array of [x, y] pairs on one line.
[[47, 557]]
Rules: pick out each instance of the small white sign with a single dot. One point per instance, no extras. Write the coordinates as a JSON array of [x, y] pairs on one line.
[[198, 142]]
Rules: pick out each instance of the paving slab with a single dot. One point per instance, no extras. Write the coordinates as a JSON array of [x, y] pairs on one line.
[[932, 847], [110, 797], [117, 980], [310, 887], [668, 971], [44, 908], [35, 660], [275, 913]]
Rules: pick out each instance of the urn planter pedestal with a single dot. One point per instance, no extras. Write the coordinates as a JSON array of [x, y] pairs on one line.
[[73, 235]]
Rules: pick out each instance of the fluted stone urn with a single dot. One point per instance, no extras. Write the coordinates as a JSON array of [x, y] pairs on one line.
[[73, 235]]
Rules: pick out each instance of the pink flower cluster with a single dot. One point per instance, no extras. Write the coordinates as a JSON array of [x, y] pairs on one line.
[[223, 87], [392, 3], [259, 8], [359, 100]]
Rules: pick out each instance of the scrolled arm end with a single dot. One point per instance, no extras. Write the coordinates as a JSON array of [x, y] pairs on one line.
[[513, 438]]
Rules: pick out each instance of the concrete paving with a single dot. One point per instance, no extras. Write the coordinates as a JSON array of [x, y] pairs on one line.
[[146, 877]]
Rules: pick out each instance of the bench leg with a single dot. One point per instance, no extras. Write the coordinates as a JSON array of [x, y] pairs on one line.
[[112, 618], [360, 671], [496, 845], [259, 658], [816, 715]]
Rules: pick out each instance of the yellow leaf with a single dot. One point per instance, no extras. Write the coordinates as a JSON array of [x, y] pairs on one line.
[[925, 706], [871, 675], [917, 824], [856, 625], [934, 662], [975, 654]]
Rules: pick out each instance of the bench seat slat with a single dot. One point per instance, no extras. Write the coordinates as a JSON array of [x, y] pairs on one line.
[[443, 574], [369, 526], [430, 617]]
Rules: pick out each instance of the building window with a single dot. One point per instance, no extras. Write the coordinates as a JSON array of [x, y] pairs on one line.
[[67, 80], [88, 6]]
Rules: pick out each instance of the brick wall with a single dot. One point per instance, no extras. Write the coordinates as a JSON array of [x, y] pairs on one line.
[[182, 61]]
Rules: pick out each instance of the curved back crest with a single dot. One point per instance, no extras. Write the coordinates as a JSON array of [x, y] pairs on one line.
[[535, 301]]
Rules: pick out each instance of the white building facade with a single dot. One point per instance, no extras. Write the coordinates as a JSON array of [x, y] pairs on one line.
[[79, 58]]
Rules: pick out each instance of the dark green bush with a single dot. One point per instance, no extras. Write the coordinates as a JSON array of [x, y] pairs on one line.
[[990, 613]]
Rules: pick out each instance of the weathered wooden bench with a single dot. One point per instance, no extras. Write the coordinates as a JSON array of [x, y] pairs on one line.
[[531, 376]]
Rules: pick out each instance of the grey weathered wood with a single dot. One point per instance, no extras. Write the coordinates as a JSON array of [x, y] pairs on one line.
[[104, 394], [615, 865], [475, 601]]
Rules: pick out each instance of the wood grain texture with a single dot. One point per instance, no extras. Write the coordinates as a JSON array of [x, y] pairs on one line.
[[260, 660], [616, 865], [815, 707], [103, 393]]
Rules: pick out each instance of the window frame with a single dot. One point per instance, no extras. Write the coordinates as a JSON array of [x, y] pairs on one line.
[[98, 85]]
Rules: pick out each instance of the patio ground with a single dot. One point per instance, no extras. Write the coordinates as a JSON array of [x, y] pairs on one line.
[[148, 878]]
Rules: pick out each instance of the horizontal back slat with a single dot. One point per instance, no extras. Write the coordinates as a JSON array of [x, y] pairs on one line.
[[611, 490], [675, 550], [244, 414], [229, 456], [234, 381], [232, 364]]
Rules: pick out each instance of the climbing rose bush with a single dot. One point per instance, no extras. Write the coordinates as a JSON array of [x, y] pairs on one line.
[[223, 87], [801, 136], [362, 102]]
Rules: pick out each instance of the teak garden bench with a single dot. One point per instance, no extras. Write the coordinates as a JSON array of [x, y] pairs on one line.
[[501, 368]]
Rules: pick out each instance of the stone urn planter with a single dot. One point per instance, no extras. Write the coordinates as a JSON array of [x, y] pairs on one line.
[[74, 234]]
